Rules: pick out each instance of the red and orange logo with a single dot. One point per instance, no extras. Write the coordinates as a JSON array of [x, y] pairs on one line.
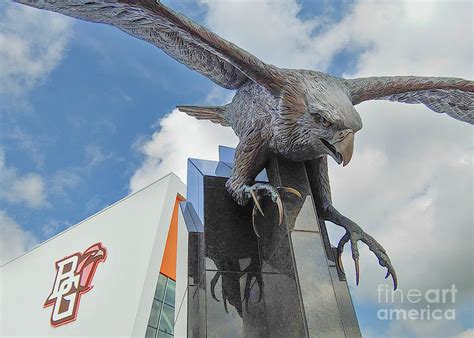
[[74, 276]]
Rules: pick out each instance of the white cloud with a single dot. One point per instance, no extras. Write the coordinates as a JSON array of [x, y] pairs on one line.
[[13, 240], [16, 188], [427, 328], [24, 141], [272, 31], [53, 227], [30, 48], [179, 137], [410, 183], [95, 155], [466, 334], [64, 180]]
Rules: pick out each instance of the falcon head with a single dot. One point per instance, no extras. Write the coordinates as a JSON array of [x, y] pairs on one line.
[[335, 121], [325, 118]]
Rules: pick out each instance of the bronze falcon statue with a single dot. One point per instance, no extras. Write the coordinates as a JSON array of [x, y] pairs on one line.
[[302, 115]]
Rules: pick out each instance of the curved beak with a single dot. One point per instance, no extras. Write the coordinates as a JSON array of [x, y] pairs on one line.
[[345, 147]]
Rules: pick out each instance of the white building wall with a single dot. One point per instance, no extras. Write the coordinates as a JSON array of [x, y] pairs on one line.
[[134, 232]]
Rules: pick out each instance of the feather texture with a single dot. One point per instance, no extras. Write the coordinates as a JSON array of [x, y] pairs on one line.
[[184, 40], [211, 113], [456, 103], [452, 96]]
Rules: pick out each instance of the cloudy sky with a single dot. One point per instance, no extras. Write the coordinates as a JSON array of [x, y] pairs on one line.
[[87, 116]]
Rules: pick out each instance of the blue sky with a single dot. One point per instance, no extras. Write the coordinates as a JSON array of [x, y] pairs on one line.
[[90, 118], [86, 115]]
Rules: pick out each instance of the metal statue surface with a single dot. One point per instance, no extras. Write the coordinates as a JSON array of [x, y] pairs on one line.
[[302, 115]]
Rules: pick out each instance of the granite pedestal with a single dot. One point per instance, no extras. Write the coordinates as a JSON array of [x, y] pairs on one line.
[[283, 284]]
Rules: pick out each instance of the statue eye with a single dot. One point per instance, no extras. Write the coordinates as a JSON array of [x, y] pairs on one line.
[[325, 122], [318, 118]]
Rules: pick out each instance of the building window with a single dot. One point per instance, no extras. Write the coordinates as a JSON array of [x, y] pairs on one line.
[[161, 321]]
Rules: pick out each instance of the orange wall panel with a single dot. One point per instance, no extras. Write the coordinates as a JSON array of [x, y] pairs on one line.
[[168, 263]]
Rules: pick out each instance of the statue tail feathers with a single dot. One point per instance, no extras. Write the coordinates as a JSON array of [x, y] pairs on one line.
[[214, 114]]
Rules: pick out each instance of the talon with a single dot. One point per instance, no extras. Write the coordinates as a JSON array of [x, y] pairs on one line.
[[354, 233], [292, 191], [356, 261], [280, 209], [340, 249], [339, 262], [264, 189], [394, 279], [255, 201], [254, 213]]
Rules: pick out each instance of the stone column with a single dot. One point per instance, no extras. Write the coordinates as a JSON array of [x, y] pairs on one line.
[[324, 299], [279, 285]]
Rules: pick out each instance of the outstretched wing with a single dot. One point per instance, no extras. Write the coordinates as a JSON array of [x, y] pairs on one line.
[[452, 96], [189, 43]]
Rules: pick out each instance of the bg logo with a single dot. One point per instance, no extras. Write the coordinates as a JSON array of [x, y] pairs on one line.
[[73, 278]]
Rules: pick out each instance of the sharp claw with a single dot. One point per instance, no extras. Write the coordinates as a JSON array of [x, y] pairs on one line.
[[293, 191], [339, 262], [359, 235], [255, 201], [340, 249], [394, 278], [254, 213], [280, 209], [356, 260]]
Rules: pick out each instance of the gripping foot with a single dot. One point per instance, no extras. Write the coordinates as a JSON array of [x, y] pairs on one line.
[[258, 190], [354, 234]]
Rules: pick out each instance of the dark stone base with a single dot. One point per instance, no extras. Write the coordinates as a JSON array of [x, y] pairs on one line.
[[283, 284]]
